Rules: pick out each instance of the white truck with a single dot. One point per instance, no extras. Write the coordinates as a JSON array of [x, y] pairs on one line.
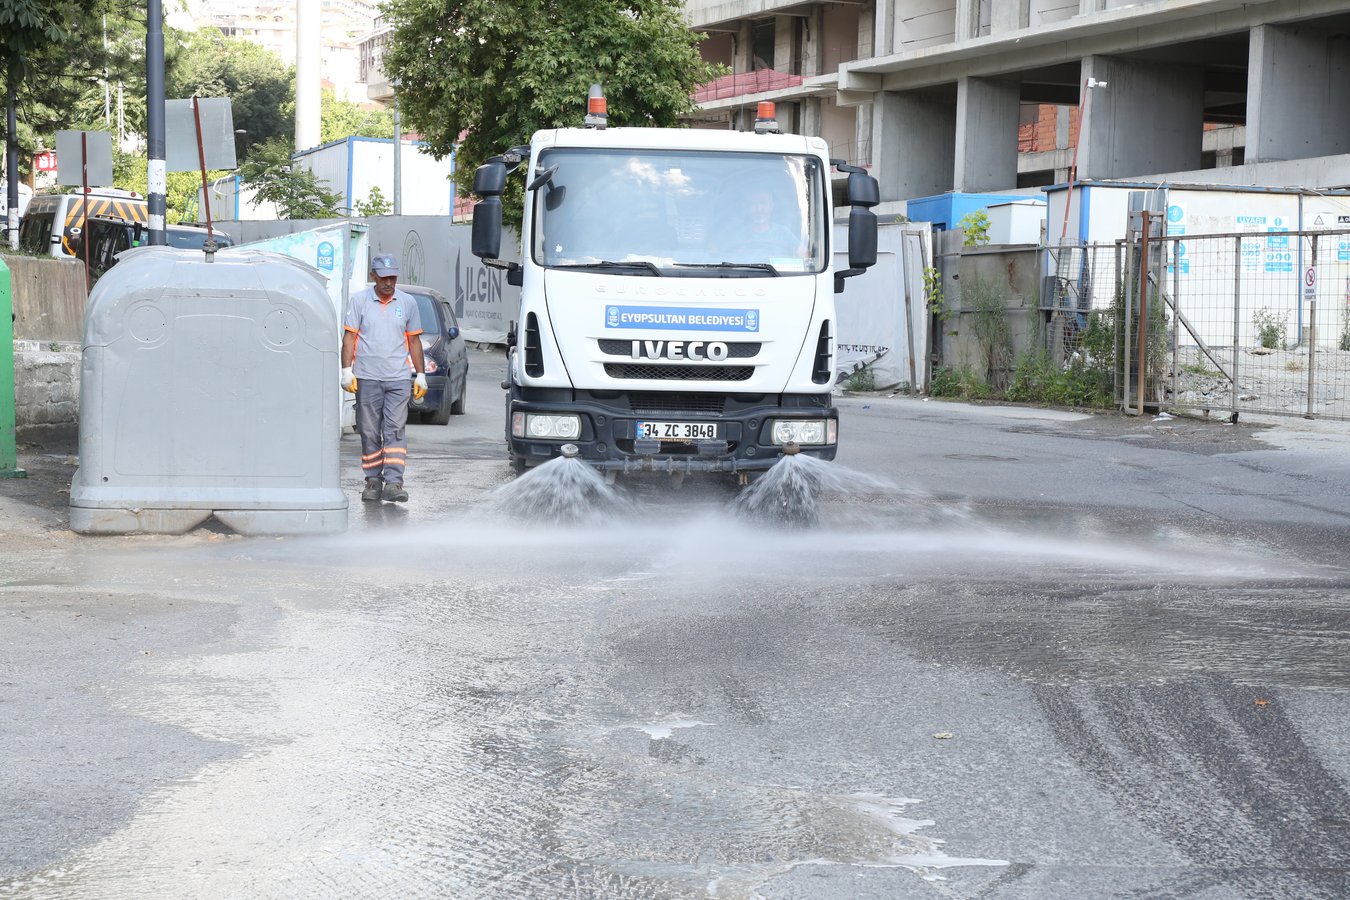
[[677, 294]]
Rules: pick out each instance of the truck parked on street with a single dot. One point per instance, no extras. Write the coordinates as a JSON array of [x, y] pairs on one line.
[[677, 294]]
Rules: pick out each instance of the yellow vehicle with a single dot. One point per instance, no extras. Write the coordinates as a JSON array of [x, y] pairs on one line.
[[52, 224]]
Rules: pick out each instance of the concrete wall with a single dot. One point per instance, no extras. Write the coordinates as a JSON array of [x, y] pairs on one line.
[[49, 300], [1012, 272]]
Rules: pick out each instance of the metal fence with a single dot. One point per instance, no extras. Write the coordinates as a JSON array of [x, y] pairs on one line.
[[1244, 321]]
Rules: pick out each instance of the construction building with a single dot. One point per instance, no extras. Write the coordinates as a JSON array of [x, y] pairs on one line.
[[937, 96]]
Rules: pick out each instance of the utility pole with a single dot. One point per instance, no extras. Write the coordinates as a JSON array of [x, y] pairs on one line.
[[156, 169], [398, 156], [11, 163], [308, 130]]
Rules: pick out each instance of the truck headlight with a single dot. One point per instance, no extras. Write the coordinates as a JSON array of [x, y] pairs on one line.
[[550, 426], [805, 431]]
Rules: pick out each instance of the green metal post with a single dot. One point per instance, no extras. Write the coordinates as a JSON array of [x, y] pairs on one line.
[[9, 458]]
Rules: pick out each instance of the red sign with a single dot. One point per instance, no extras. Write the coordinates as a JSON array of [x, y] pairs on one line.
[[44, 161]]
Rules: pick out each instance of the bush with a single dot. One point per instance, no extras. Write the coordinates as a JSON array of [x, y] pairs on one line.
[[863, 379], [1269, 328], [1036, 379], [959, 382]]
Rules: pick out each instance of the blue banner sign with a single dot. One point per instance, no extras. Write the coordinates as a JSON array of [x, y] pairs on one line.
[[681, 319]]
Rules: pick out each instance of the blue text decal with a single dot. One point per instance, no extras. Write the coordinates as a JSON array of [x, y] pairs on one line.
[[682, 319], [325, 255]]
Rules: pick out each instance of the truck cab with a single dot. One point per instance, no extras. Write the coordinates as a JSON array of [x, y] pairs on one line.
[[677, 295]]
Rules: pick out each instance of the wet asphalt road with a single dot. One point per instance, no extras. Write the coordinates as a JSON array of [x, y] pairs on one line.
[[1054, 656]]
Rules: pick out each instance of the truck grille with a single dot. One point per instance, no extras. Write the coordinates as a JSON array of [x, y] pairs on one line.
[[674, 402], [679, 373], [735, 350]]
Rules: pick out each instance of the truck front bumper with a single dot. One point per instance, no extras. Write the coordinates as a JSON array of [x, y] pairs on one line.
[[609, 438]]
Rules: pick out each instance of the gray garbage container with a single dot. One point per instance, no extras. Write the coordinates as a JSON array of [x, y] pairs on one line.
[[209, 389]]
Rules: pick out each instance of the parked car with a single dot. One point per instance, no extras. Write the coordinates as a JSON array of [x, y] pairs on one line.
[[109, 236], [447, 358]]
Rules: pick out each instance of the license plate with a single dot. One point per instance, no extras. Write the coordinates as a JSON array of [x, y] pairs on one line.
[[678, 431]]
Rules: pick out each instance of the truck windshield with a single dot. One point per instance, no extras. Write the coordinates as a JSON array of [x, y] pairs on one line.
[[751, 214]]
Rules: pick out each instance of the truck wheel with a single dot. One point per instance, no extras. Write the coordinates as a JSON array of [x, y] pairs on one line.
[[457, 408], [517, 464], [441, 414]]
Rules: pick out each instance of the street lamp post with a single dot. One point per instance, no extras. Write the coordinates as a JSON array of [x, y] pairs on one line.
[[398, 153]]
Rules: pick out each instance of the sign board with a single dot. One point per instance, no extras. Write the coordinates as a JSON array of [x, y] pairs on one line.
[[44, 161], [180, 135], [1309, 285], [96, 155]]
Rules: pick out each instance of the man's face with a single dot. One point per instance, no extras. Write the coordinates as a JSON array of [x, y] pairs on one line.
[[384, 284], [761, 206]]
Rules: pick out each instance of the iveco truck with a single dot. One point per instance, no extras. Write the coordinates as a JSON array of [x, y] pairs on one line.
[[677, 294]]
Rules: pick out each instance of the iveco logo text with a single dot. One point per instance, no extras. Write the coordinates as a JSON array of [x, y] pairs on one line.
[[696, 350]]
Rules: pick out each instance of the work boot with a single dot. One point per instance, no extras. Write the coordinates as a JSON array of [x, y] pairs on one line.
[[394, 493], [372, 489]]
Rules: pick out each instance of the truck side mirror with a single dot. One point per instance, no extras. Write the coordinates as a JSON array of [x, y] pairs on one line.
[[487, 227], [862, 238], [489, 179], [863, 190]]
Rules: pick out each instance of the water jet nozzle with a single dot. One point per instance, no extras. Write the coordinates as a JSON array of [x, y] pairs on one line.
[[791, 449], [570, 451]]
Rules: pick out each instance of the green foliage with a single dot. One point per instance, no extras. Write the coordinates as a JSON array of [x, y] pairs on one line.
[[1036, 379], [1269, 328], [180, 195], [480, 76], [863, 379], [54, 55], [1345, 335], [375, 204], [260, 87], [295, 190], [959, 382], [992, 330], [1199, 368], [932, 290], [975, 228], [340, 118]]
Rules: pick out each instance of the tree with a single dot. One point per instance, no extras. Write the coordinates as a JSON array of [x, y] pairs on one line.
[[55, 58], [375, 204], [260, 87], [340, 118], [479, 76], [297, 193]]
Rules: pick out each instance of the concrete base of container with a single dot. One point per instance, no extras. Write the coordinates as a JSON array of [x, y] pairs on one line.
[[144, 520]]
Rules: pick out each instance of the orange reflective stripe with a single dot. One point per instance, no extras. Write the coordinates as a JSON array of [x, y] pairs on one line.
[[374, 455], [394, 451]]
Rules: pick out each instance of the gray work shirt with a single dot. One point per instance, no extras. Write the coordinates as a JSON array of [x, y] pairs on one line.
[[382, 330]]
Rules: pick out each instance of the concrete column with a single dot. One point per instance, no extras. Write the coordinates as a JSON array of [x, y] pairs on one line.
[[1298, 86], [809, 116], [784, 31], [986, 134], [913, 145], [967, 19], [743, 58], [1007, 15], [862, 134], [1149, 118]]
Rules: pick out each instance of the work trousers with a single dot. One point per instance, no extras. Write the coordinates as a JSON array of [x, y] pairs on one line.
[[382, 422]]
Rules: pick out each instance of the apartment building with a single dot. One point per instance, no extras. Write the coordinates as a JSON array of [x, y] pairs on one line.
[[989, 95]]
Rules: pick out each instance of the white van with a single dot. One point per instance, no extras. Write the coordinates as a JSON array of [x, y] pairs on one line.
[[53, 222]]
